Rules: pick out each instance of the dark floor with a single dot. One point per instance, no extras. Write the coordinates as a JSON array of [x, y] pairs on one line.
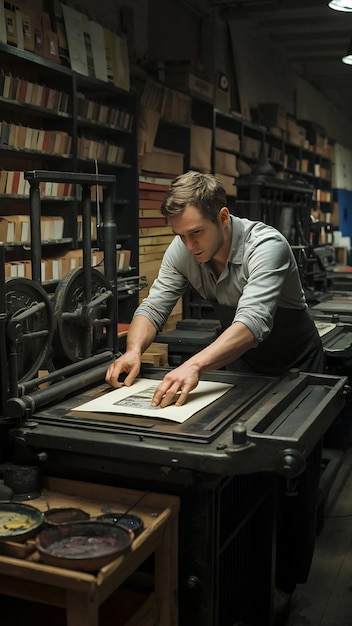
[[326, 598]]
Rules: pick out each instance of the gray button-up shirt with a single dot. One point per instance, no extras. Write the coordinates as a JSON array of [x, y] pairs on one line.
[[261, 274]]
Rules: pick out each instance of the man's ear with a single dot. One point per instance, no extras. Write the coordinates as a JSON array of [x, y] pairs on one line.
[[224, 216]]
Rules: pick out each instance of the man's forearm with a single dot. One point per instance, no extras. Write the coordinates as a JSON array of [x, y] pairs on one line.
[[141, 334], [228, 347]]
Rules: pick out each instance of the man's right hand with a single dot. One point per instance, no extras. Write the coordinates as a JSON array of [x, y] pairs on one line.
[[130, 364]]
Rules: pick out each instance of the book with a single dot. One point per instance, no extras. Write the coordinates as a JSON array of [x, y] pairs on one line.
[[38, 34], [110, 56], [3, 34], [2, 79], [154, 182], [21, 95], [157, 230], [148, 223], [156, 240], [75, 37], [19, 29], [122, 63], [7, 85], [98, 50], [15, 182], [49, 49], [21, 136], [150, 213], [5, 133], [29, 91], [12, 135], [150, 204], [59, 27], [51, 46], [88, 45], [146, 194], [7, 229], [3, 178], [11, 26], [28, 31], [146, 248]]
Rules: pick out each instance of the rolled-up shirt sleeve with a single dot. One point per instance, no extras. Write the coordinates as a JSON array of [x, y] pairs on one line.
[[165, 291], [270, 267]]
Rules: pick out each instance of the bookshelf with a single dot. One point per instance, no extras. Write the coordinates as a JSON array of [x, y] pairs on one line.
[[54, 119]]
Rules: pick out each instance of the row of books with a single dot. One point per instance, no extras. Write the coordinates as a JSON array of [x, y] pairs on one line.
[[36, 139], [56, 268], [320, 195], [28, 29], [58, 142], [100, 113], [101, 150], [13, 182], [68, 35], [154, 233], [24, 91], [16, 228], [172, 105]]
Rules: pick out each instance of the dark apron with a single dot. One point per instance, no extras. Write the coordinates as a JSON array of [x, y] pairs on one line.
[[294, 342]]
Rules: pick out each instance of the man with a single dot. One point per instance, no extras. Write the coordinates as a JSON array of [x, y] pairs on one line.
[[248, 272], [240, 266]]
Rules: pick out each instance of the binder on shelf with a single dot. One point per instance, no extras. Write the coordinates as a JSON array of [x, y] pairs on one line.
[[59, 27], [19, 29], [11, 26], [3, 33], [75, 38], [28, 30], [38, 34], [98, 50], [88, 46], [122, 63]]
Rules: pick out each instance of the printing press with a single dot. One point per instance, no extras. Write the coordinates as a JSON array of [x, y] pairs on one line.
[[224, 462]]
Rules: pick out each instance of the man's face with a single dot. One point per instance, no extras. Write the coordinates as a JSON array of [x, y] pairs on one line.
[[203, 238]]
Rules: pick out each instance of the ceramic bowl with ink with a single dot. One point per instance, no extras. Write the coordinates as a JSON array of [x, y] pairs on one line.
[[65, 515], [130, 521], [85, 546]]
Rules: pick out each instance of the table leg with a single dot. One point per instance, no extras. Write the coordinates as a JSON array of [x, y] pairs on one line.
[[166, 575], [82, 609]]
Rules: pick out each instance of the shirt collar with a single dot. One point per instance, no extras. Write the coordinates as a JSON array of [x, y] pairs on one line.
[[238, 237]]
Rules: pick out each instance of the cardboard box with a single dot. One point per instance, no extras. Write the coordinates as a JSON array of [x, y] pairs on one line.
[[227, 140], [251, 146], [226, 163], [272, 114], [201, 140], [163, 162], [243, 167], [190, 77], [297, 136], [228, 183]]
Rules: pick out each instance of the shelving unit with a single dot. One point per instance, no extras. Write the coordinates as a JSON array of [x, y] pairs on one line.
[[59, 120]]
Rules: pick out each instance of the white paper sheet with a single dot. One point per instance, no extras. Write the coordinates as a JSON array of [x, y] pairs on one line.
[[136, 400]]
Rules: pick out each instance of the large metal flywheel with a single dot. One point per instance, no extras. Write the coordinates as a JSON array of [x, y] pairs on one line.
[[29, 327], [81, 321]]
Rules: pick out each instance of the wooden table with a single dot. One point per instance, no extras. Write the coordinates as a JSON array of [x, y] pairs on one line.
[[80, 593]]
